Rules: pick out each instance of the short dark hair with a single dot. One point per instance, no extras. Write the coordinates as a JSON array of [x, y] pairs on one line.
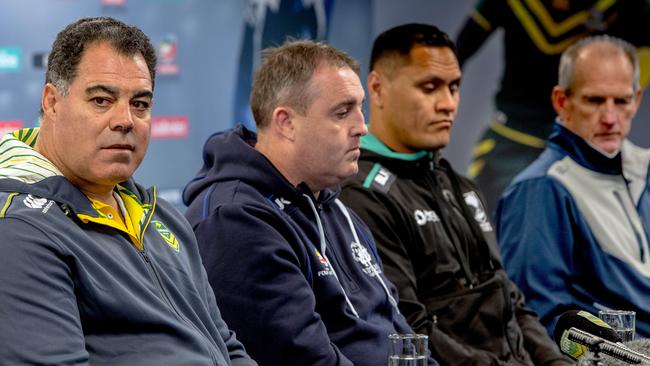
[[399, 41], [70, 43], [286, 72]]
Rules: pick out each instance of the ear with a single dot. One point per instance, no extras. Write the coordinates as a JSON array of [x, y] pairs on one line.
[[49, 99], [283, 122], [639, 97], [559, 99], [376, 82]]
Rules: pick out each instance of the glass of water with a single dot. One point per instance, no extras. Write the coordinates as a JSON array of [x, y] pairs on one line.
[[622, 321], [408, 350]]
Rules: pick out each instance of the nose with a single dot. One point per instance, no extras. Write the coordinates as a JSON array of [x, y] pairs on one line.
[[610, 112], [122, 118], [360, 128], [446, 102]]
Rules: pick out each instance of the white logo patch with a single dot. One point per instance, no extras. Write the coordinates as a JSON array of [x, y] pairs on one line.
[[281, 202], [424, 216], [361, 255], [382, 177], [472, 200], [34, 202]]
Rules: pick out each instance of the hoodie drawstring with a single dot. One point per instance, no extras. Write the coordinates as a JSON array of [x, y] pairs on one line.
[[323, 247], [368, 264]]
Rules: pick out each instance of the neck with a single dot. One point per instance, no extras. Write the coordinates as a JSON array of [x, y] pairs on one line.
[[283, 162], [102, 196]]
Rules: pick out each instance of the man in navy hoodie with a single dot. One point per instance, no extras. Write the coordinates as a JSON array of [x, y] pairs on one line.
[[298, 274]]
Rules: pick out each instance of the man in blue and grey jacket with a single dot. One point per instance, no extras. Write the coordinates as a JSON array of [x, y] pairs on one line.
[[297, 273], [94, 268], [573, 226]]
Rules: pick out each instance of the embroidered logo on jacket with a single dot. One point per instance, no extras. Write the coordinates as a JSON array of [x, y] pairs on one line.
[[382, 177], [281, 202], [424, 216], [326, 269], [361, 255], [472, 200], [166, 234], [34, 202]]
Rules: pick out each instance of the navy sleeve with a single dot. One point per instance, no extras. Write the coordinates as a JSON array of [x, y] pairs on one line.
[[263, 294], [236, 351], [39, 318]]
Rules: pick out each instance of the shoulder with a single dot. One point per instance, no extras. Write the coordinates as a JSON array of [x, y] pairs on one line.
[[28, 207], [372, 176]]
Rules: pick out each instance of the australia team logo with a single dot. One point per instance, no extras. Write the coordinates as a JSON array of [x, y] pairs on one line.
[[166, 234]]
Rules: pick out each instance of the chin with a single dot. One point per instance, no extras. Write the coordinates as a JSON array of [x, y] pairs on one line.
[[610, 147]]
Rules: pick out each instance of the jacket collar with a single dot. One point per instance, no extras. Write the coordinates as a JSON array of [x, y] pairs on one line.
[[583, 153], [24, 170]]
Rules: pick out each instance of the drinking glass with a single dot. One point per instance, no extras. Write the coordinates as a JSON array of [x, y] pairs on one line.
[[622, 321], [408, 350]]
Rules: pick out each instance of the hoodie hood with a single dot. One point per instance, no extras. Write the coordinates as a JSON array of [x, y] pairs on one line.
[[231, 156]]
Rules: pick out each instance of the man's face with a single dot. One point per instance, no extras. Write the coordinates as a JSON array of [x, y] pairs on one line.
[[601, 103], [328, 134], [419, 100], [99, 132]]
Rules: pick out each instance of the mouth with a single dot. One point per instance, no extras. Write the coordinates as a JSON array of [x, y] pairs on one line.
[[608, 135], [120, 147], [442, 122]]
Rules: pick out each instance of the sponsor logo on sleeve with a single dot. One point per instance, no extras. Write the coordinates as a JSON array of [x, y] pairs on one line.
[[38, 202], [282, 203]]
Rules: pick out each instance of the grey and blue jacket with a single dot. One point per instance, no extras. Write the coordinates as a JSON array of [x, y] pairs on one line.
[[573, 230], [298, 278], [76, 291]]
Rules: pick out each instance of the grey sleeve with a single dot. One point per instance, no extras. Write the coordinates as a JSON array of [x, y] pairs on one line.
[[39, 317]]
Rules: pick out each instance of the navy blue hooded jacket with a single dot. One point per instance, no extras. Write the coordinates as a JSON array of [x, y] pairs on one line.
[[299, 279]]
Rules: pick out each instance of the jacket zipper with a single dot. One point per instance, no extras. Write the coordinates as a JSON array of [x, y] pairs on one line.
[[639, 240], [158, 283], [462, 257]]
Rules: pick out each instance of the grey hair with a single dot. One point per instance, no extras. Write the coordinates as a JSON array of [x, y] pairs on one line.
[[566, 73], [286, 72]]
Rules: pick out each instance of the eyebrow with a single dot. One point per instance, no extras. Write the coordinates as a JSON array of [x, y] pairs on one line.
[[346, 103], [438, 80], [115, 93]]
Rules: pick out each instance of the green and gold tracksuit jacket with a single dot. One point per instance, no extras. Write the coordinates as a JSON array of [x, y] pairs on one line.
[[76, 290]]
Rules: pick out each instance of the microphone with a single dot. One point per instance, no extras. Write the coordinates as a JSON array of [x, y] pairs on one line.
[[578, 332], [585, 321], [615, 350], [641, 345]]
